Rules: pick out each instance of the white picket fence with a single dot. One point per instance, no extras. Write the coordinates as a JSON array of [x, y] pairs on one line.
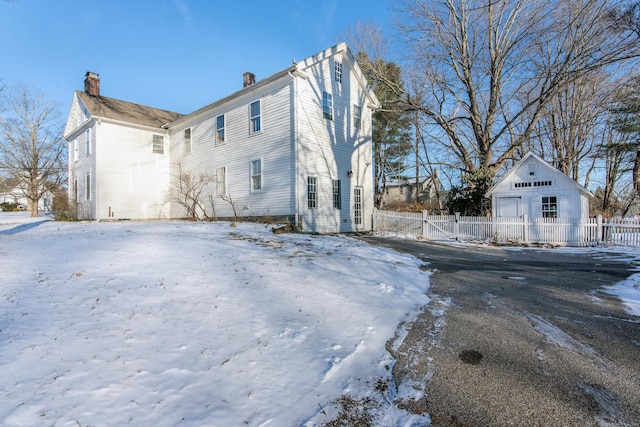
[[522, 230]]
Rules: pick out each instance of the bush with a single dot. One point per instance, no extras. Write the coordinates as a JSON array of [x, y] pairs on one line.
[[8, 207]]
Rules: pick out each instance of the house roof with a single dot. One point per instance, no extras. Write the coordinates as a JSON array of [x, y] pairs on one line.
[[297, 68], [544, 164], [102, 106]]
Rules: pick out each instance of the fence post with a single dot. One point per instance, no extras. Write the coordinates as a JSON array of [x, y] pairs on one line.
[[599, 228], [424, 223], [456, 231], [374, 220], [525, 228]]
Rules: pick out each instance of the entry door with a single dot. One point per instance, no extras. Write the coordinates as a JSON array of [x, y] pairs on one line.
[[357, 207]]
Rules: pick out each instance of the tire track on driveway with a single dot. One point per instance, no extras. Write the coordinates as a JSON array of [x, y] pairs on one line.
[[524, 337]]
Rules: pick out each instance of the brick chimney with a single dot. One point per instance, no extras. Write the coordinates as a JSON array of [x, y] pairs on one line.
[[92, 83], [248, 79]]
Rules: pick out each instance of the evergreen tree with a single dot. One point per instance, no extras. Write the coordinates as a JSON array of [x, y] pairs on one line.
[[392, 137]]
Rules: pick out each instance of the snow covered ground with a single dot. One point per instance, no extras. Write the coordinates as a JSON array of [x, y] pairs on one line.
[[193, 324]]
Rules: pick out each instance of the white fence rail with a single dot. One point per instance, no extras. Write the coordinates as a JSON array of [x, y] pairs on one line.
[[524, 230]]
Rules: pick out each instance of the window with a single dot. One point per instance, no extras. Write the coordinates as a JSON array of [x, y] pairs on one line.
[[357, 205], [187, 140], [87, 186], [549, 207], [87, 142], [542, 183], [337, 199], [327, 105], [220, 129], [254, 117], [158, 144], [337, 71], [256, 174], [221, 182], [357, 116], [75, 190], [312, 192]]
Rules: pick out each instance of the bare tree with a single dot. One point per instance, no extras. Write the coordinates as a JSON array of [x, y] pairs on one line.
[[570, 130], [31, 146], [188, 189], [490, 68]]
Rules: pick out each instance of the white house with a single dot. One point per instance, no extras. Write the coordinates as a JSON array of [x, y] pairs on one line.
[[535, 188], [294, 146]]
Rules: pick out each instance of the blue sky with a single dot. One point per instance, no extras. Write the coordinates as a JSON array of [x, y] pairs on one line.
[[177, 55]]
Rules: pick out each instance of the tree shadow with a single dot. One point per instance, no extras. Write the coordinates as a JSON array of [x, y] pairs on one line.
[[23, 227]]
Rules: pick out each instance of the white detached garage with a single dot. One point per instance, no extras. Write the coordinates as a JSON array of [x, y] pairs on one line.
[[538, 190]]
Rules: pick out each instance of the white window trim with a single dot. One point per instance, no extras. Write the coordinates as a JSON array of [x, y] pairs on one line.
[[224, 126], [87, 143], [357, 118], [315, 193], [337, 201], [188, 142], [87, 186], [251, 175], [224, 182], [259, 116], [153, 144], [328, 97]]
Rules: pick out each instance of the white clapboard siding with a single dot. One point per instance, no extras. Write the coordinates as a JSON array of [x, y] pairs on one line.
[[133, 180], [272, 145], [333, 149]]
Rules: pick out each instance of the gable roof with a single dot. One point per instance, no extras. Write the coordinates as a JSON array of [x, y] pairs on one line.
[[296, 69], [102, 106], [544, 164]]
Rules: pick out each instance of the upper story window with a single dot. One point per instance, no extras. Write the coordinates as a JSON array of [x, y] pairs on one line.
[[75, 150], [254, 117], [87, 142], [256, 174], [327, 106], [158, 144], [220, 129], [357, 116], [337, 71], [187, 140]]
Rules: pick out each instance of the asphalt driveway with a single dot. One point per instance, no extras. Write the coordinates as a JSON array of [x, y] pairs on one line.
[[521, 337]]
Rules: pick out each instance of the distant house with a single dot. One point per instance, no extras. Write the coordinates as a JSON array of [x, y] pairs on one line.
[[403, 192], [535, 188], [12, 192], [294, 146]]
